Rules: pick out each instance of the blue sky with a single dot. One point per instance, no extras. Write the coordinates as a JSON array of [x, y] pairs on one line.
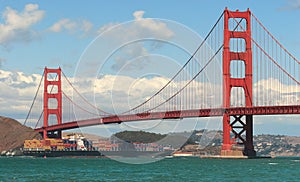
[[57, 32], [65, 47]]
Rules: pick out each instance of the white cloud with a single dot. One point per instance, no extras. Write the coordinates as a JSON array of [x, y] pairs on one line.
[[17, 26], [139, 28], [154, 27], [62, 24], [138, 15], [116, 93], [71, 26], [17, 92], [86, 26], [272, 92]]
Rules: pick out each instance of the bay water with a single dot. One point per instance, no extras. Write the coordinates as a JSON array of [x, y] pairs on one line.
[[173, 169]]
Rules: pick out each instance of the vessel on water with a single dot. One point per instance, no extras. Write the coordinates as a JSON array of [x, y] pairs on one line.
[[69, 146], [78, 146]]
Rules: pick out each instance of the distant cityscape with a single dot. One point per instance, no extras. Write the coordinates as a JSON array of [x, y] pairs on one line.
[[108, 144], [264, 145]]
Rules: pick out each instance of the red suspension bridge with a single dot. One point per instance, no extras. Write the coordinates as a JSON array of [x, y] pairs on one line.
[[259, 77]]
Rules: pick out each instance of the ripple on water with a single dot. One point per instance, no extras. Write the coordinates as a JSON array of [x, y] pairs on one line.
[[272, 163]]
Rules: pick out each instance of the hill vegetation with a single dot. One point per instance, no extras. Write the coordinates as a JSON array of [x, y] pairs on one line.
[[139, 136]]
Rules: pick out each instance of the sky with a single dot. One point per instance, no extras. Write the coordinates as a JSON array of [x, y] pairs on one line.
[[35, 34]]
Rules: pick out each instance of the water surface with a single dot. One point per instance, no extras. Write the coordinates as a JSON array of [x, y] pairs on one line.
[[175, 169]]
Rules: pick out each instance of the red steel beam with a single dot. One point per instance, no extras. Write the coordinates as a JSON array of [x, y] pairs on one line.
[[261, 110]]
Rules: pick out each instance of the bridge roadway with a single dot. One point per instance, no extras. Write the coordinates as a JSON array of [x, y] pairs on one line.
[[258, 110]]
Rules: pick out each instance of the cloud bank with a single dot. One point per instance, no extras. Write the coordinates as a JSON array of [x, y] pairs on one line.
[[18, 90]]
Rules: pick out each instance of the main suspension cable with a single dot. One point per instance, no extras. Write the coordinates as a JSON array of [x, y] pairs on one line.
[[38, 89], [191, 57]]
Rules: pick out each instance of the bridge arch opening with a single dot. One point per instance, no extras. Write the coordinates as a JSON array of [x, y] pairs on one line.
[[52, 77], [237, 24], [237, 45], [237, 69], [52, 103], [52, 89], [237, 98]]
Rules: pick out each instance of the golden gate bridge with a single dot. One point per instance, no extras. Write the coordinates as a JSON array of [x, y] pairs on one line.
[[259, 77]]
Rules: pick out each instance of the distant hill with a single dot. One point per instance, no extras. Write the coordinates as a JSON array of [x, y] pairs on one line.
[[175, 140], [139, 136], [13, 134]]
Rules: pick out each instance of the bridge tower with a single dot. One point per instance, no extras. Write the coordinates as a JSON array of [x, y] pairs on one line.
[[237, 129], [52, 91]]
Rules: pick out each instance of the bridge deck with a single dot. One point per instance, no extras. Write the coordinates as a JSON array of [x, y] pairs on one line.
[[263, 110]]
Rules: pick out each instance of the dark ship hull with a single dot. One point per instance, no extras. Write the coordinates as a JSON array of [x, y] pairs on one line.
[[50, 153], [109, 154]]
